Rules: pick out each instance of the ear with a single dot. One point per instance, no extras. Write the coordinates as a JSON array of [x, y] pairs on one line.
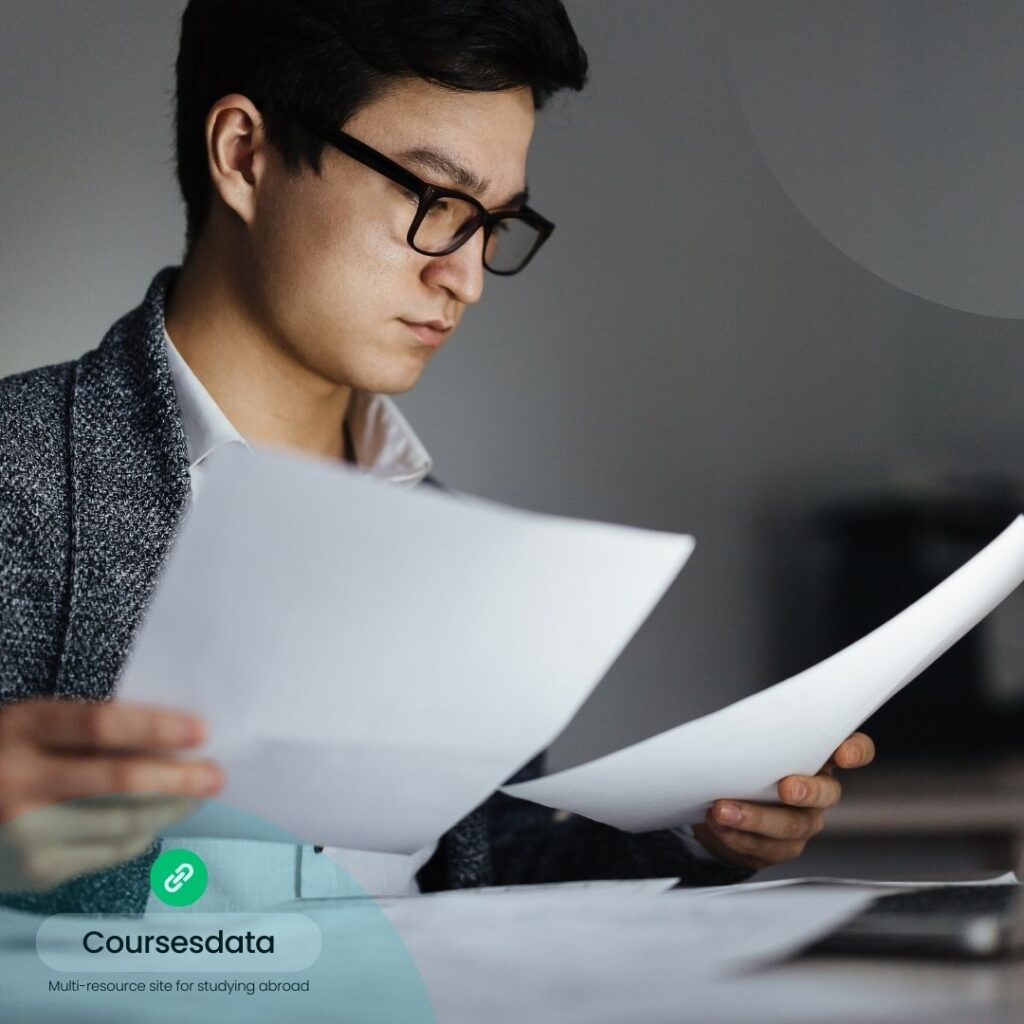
[[236, 149]]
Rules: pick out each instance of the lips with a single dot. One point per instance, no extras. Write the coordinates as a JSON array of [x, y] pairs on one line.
[[431, 333]]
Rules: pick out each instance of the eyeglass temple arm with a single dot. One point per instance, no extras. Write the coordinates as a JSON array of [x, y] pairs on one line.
[[366, 154]]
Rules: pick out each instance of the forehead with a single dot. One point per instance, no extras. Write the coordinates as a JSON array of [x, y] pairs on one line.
[[486, 132]]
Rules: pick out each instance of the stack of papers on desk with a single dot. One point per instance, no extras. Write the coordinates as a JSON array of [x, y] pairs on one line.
[[373, 662], [599, 953]]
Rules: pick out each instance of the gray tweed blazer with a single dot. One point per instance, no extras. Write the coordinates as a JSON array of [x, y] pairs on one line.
[[93, 483]]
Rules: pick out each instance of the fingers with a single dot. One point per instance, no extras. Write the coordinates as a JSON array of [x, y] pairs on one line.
[[746, 848], [786, 824], [67, 777], [822, 791], [855, 752], [760, 836], [112, 819], [69, 725], [756, 835]]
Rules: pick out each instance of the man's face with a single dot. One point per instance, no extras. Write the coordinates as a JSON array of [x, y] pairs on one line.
[[335, 283]]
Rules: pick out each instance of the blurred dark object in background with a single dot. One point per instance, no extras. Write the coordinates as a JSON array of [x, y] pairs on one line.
[[891, 548]]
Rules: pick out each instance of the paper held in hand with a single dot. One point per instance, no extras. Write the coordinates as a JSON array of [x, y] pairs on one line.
[[373, 663], [791, 728]]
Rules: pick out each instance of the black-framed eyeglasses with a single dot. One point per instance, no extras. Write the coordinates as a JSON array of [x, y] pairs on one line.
[[445, 218]]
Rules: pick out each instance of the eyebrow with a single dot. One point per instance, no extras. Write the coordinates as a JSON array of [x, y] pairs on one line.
[[460, 176]]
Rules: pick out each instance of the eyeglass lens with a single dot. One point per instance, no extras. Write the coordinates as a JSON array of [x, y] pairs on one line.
[[448, 221]]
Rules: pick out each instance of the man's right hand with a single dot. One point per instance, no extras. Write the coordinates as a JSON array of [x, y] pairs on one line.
[[87, 786]]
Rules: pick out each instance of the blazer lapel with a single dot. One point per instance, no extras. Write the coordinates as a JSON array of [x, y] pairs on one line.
[[129, 489]]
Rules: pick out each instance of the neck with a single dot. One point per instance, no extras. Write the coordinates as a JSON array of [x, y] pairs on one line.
[[269, 396]]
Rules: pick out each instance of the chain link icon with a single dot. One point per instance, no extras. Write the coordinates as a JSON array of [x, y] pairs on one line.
[[179, 877]]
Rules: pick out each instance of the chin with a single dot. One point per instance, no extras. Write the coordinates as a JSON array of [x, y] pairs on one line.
[[395, 378]]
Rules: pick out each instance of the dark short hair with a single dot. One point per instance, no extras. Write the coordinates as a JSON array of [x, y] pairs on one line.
[[329, 58]]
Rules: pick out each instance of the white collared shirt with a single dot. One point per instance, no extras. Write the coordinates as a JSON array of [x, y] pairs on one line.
[[385, 445], [244, 874]]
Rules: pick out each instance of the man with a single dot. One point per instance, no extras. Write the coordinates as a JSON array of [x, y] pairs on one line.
[[350, 169]]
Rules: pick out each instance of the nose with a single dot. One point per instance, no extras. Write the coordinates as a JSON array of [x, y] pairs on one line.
[[461, 273]]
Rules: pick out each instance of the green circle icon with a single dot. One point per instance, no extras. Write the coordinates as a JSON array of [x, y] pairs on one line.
[[178, 877]]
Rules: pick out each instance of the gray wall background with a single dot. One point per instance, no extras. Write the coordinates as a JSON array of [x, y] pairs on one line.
[[786, 268]]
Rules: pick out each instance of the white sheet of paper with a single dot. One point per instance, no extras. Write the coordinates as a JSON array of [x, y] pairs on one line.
[[605, 887], [791, 728], [373, 663], [873, 886], [566, 957]]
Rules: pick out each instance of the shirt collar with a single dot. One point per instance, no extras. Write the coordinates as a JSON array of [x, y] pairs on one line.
[[385, 445]]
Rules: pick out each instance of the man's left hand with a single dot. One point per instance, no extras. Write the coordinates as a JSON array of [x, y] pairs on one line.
[[760, 835]]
